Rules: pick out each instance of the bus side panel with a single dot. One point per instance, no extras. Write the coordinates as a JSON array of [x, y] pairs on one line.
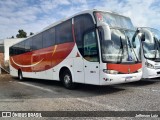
[[13, 71], [36, 61], [44, 63], [53, 73]]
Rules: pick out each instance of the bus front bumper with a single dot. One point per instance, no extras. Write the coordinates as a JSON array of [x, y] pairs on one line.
[[111, 79], [151, 73]]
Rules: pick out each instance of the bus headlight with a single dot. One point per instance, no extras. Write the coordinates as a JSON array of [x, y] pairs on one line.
[[139, 70], [110, 71], [149, 65]]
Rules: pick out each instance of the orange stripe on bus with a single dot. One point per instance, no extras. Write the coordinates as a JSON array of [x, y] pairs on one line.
[[51, 56]]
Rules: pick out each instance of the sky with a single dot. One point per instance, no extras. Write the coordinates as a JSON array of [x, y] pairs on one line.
[[35, 15]]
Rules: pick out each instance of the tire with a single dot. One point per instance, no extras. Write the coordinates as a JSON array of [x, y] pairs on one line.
[[66, 79], [20, 76]]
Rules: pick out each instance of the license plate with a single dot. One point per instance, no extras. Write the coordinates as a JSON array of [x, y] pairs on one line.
[[128, 78]]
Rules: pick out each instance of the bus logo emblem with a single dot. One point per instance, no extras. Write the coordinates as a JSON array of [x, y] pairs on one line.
[[129, 70]]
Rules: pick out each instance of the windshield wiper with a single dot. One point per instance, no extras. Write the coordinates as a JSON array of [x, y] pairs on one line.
[[135, 34], [121, 48], [132, 48], [157, 47]]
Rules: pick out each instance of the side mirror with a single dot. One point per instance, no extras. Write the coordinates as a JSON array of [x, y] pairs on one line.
[[106, 29], [143, 37], [134, 37]]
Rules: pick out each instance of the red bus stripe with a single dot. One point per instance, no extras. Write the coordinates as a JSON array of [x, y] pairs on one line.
[[26, 61], [124, 68]]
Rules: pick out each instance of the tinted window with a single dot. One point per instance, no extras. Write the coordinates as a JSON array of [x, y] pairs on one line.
[[28, 45], [90, 47], [10, 51], [64, 32], [16, 48], [49, 37], [21, 47], [37, 42], [82, 24]]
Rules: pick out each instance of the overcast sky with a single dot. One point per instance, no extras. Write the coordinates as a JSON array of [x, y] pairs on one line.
[[34, 15]]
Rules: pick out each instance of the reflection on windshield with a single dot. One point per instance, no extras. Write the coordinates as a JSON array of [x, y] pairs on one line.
[[155, 33], [120, 48], [151, 45], [114, 20]]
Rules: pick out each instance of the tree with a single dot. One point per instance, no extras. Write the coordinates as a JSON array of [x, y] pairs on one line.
[[22, 34], [31, 33], [12, 37]]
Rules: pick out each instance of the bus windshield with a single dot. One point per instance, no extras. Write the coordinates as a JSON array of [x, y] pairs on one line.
[[120, 48], [115, 20], [151, 45]]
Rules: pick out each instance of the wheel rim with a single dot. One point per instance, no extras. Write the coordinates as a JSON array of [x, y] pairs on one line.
[[67, 79]]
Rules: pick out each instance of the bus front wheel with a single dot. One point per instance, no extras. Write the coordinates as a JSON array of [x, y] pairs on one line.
[[67, 80]]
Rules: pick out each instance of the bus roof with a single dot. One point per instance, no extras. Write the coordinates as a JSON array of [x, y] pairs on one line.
[[65, 19], [83, 12]]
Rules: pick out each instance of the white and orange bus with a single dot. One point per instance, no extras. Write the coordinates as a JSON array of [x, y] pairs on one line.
[[92, 47]]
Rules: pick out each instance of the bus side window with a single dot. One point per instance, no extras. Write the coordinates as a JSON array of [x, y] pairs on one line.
[[90, 47], [63, 32], [82, 23], [28, 45], [49, 38], [37, 42]]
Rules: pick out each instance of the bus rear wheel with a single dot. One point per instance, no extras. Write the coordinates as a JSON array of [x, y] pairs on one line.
[[67, 80], [20, 76]]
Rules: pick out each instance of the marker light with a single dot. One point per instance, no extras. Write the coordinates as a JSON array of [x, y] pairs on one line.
[[139, 70], [110, 71]]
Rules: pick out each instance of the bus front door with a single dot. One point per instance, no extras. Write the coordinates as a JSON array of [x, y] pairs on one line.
[[91, 70], [91, 58]]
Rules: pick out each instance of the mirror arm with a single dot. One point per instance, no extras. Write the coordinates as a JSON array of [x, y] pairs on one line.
[[107, 31]]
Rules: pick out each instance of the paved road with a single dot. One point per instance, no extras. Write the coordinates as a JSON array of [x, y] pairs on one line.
[[40, 95]]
